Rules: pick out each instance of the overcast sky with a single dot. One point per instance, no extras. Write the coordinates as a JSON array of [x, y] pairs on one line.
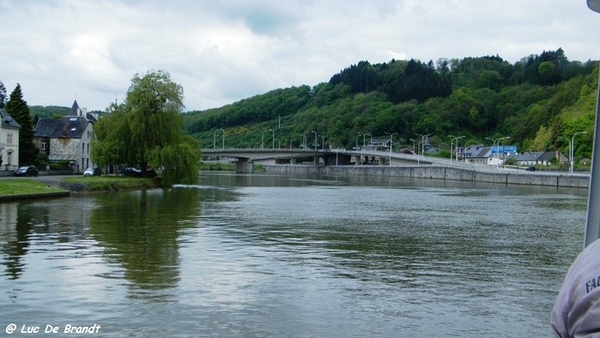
[[222, 51]]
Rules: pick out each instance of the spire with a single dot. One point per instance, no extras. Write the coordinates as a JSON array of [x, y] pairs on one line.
[[75, 110]]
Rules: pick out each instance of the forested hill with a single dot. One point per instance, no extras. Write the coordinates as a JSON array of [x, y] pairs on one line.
[[539, 102]]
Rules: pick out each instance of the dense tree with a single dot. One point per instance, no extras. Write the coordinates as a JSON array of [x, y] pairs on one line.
[[18, 109], [146, 130], [2, 95]]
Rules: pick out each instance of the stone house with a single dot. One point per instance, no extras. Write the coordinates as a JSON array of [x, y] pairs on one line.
[[539, 158], [68, 138], [9, 141]]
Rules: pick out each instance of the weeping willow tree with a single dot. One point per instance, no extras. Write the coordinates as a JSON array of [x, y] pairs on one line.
[[146, 130]]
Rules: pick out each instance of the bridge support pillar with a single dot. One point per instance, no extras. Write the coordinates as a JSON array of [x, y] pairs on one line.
[[243, 166], [358, 159]]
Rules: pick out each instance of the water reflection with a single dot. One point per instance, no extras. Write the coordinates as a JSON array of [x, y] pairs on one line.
[[275, 255], [51, 222], [141, 230]]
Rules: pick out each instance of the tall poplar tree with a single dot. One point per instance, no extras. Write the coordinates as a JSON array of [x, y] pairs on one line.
[[146, 130], [19, 110]]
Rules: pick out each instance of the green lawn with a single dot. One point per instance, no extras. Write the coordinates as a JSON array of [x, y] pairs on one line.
[[24, 187], [109, 183]]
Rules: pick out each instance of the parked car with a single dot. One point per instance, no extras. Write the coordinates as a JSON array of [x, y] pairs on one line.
[[95, 171], [26, 171], [131, 171], [530, 168], [150, 172]]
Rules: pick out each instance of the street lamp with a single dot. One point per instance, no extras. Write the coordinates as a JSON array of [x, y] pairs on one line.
[[357, 135], [364, 139], [273, 146], [456, 146], [262, 143], [316, 139], [306, 139], [323, 144], [494, 141], [391, 144], [215, 138], [592, 230], [422, 144], [572, 154]]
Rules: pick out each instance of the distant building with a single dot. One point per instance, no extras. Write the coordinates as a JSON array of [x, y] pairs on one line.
[[476, 153], [539, 158], [9, 141], [68, 138]]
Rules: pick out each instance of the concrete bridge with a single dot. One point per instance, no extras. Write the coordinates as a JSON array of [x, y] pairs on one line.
[[246, 157]]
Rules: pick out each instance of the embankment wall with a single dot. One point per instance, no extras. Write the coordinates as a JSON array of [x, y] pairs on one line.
[[443, 173]]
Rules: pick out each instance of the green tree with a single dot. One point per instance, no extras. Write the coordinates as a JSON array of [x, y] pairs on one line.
[[18, 109], [2, 95], [146, 130]]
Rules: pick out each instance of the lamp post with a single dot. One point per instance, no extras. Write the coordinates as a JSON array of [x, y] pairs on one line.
[[422, 144], [456, 146], [316, 139], [273, 146], [223, 138], [572, 153], [365, 139], [357, 135], [494, 141], [262, 142], [323, 144], [500, 139], [391, 144], [215, 139]]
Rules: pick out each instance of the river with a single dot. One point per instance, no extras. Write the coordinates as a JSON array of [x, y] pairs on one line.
[[290, 256]]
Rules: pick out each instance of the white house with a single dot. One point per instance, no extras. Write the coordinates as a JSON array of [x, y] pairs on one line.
[[9, 142]]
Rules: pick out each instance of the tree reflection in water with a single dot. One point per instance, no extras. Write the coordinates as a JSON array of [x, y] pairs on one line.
[[140, 231]]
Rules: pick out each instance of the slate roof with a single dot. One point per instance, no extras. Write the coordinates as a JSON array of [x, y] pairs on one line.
[[7, 121], [476, 151], [66, 127], [534, 156]]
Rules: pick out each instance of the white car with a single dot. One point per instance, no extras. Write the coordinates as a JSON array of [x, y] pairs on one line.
[[95, 171]]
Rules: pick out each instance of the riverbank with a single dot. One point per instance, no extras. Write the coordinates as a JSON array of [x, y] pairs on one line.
[[16, 189], [108, 183], [501, 176], [28, 188]]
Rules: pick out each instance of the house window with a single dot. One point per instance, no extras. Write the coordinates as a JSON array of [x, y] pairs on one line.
[[88, 148], [43, 145], [9, 157], [83, 148], [9, 139]]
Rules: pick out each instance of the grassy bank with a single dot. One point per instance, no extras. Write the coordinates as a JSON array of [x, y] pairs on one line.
[[25, 187], [108, 183]]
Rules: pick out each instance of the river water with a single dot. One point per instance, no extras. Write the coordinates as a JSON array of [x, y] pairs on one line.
[[288, 256]]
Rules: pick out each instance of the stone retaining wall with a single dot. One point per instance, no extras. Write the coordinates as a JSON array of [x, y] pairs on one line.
[[442, 173]]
